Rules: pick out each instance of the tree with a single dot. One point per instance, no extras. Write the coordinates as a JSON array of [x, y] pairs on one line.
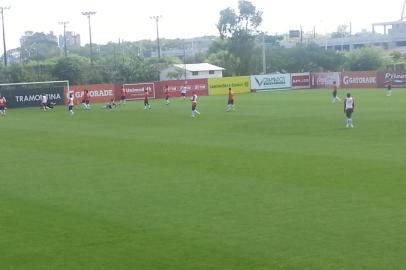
[[366, 58], [70, 68], [240, 31]]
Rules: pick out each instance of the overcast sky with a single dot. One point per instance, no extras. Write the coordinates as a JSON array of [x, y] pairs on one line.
[[130, 19]]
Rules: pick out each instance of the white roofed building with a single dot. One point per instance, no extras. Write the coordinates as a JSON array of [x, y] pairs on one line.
[[191, 71]]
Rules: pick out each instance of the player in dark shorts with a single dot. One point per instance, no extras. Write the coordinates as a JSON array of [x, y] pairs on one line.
[[146, 100], [231, 98], [349, 106], [3, 106], [389, 83]]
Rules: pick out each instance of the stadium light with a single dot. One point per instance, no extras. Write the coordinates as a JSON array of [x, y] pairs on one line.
[[88, 14], [157, 18], [4, 34], [64, 37]]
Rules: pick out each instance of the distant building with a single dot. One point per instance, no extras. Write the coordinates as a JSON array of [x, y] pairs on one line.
[[72, 40], [393, 38], [30, 35], [192, 71], [192, 47]]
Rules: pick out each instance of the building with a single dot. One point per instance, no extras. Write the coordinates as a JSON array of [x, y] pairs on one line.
[[31, 37], [72, 40], [392, 38], [191, 71]]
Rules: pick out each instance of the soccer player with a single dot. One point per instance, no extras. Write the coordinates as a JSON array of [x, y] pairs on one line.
[[123, 96], [71, 103], [166, 91], [111, 105], [335, 89], [194, 105], [3, 102], [349, 106], [146, 101], [389, 83], [183, 91], [44, 102], [231, 98], [86, 100]]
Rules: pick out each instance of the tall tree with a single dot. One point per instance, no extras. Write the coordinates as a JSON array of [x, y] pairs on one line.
[[239, 31]]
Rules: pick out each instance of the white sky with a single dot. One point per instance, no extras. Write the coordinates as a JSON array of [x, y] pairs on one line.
[[130, 19]]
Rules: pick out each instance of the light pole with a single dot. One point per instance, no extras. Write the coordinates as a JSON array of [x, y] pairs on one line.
[[4, 34], [64, 37], [157, 18], [88, 14]]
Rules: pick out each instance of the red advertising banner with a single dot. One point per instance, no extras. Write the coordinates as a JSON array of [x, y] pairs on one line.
[[136, 90], [324, 80], [398, 79], [200, 86], [98, 92], [359, 79], [300, 80]]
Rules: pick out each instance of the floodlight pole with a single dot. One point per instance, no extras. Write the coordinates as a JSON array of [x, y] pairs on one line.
[[263, 54], [4, 34], [64, 37], [157, 18], [88, 14]]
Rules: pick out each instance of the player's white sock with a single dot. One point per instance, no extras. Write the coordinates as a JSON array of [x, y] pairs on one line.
[[197, 111]]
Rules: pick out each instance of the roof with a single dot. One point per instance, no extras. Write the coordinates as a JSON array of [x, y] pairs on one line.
[[199, 67]]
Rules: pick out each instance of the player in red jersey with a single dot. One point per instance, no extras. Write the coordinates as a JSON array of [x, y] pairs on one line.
[[194, 105], [335, 96], [146, 101], [231, 99], [166, 92], [86, 100], [123, 96], [3, 102]]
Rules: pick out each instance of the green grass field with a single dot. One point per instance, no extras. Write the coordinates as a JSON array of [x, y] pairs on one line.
[[278, 184]]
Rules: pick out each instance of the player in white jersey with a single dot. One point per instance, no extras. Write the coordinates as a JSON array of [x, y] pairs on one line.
[[194, 105], [44, 102], [183, 91], [71, 103], [349, 106]]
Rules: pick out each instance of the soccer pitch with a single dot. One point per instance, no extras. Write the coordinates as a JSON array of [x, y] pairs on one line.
[[278, 184]]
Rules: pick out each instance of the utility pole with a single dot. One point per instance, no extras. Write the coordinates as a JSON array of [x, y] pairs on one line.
[[4, 35], [64, 37], [88, 14], [157, 18], [263, 54]]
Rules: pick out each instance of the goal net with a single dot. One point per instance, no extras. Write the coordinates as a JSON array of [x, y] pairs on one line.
[[19, 95]]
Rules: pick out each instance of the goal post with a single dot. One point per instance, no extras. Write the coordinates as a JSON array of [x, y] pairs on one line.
[[20, 95]]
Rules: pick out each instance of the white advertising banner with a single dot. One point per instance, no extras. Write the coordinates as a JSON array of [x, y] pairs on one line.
[[270, 82]]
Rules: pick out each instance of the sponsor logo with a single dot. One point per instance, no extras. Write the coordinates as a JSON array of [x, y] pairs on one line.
[[395, 76], [37, 97], [227, 85], [359, 80], [92, 93], [301, 80], [135, 90], [270, 81]]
